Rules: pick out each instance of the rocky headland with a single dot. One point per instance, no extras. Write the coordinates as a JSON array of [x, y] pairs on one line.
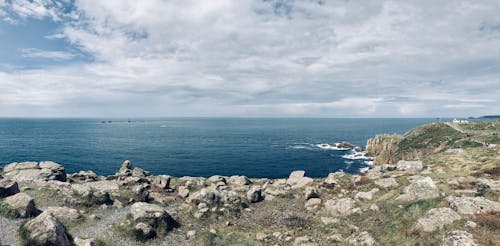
[[438, 184]]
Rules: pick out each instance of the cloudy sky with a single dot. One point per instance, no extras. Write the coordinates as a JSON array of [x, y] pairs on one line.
[[304, 58]]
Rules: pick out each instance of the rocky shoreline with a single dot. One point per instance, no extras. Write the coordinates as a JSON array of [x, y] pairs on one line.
[[448, 197]]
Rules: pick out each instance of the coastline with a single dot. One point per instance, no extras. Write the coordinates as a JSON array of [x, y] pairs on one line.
[[434, 199]]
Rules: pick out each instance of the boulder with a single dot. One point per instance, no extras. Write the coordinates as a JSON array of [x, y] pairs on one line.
[[436, 219], [162, 181], [21, 205], [341, 207], [8, 188], [125, 169], [84, 176], [239, 180], [362, 238], [331, 180], [138, 172], [312, 203], [297, 180], [311, 192], [472, 205], [32, 171], [216, 179], [231, 198], [409, 165], [183, 191], [419, 188], [45, 229], [144, 231], [367, 196], [485, 185], [64, 213], [205, 195], [386, 183], [458, 238], [304, 241], [255, 195], [151, 214], [84, 241]]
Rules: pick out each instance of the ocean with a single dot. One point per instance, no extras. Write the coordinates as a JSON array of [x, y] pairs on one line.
[[255, 147]]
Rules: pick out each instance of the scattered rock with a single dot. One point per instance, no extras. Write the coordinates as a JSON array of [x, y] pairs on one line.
[[64, 213], [341, 207], [374, 207], [363, 238], [458, 238], [21, 205], [125, 169], [367, 196], [144, 231], [312, 203], [239, 180], [297, 180], [386, 183], [138, 172], [304, 241], [191, 233], [470, 224], [436, 218], [261, 236], [409, 165], [216, 179], [183, 191], [32, 171], [84, 176], [485, 185], [8, 188], [329, 220], [311, 192], [162, 181], [331, 180], [84, 242], [472, 205], [205, 195], [419, 188], [45, 229], [255, 195]]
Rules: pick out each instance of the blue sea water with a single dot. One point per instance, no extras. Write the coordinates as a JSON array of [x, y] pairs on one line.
[[255, 147]]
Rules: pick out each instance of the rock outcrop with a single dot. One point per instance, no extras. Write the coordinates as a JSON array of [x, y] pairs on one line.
[[472, 205], [297, 180], [384, 148], [8, 188], [419, 188], [341, 207], [32, 171], [436, 219], [21, 205], [458, 238], [45, 229]]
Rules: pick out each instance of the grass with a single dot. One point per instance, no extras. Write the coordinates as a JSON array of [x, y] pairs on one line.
[[105, 242], [431, 135], [236, 239]]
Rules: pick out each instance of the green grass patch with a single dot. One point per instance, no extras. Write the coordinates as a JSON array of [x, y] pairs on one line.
[[431, 135], [236, 239]]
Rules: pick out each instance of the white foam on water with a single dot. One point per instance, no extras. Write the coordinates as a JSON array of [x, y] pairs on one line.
[[330, 146]]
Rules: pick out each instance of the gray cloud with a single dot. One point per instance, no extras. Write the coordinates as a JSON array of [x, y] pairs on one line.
[[265, 58]]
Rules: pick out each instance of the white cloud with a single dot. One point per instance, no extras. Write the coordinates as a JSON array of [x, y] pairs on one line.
[[337, 58], [45, 54]]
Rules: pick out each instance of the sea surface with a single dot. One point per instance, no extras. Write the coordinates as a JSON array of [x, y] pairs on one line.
[[255, 147]]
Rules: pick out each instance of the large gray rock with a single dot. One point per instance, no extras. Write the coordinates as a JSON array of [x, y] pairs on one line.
[[436, 219], [254, 195], [341, 207], [239, 180], [8, 188], [125, 169], [367, 195], [150, 219], [409, 165], [84, 241], [162, 181], [472, 205], [386, 183], [64, 213], [85, 176], [419, 188], [21, 205], [487, 185], [33, 171], [205, 195], [362, 239], [45, 229], [458, 238], [310, 192], [297, 180]]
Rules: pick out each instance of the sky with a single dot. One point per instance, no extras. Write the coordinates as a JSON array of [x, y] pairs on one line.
[[249, 58]]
